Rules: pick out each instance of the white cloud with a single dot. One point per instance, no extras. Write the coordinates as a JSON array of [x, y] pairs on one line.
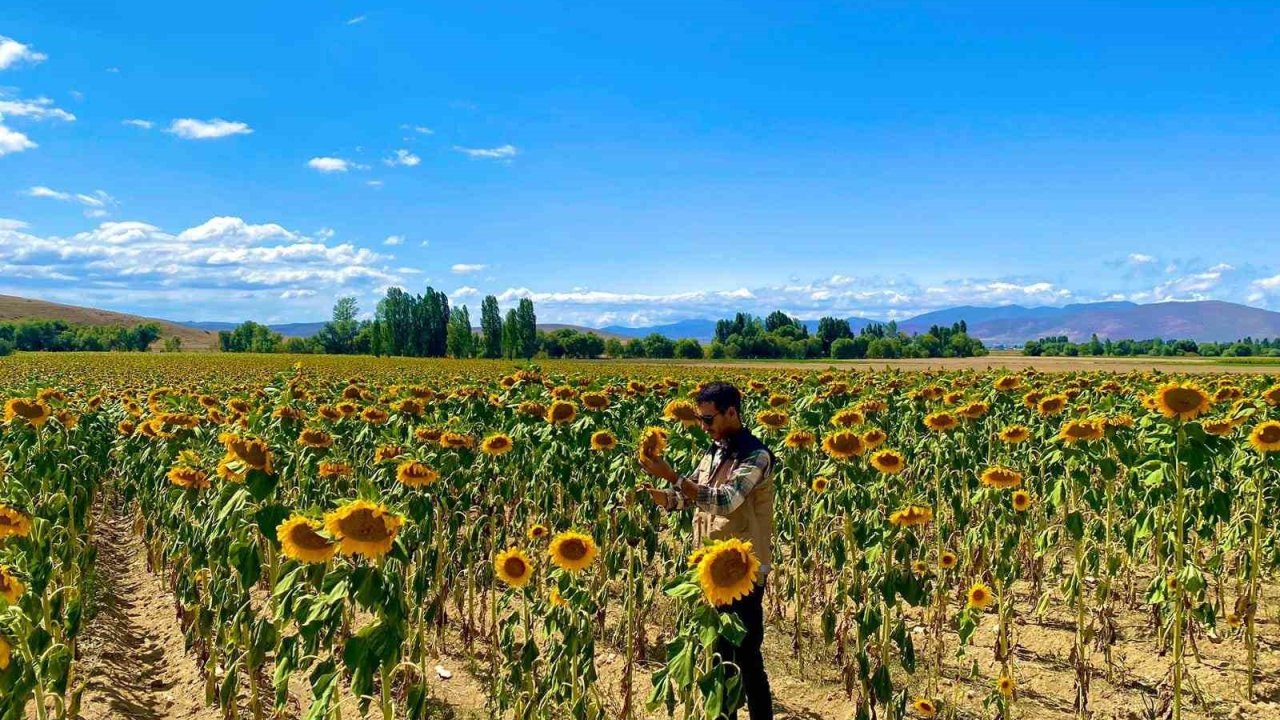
[[504, 152], [11, 224], [13, 52], [192, 129], [1141, 259], [96, 202], [403, 157], [113, 70], [12, 141], [420, 129], [373, 183], [357, 19], [464, 291], [465, 268], [144, 124], [96, 213], [394, 240], [329, 164], [295, 294], [40, 191], [42, 108], [425, 243]]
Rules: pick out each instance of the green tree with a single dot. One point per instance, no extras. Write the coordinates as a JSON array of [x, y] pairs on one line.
[[491, 327], [338, 336], [527, 327], [461, 340], [688, 349]]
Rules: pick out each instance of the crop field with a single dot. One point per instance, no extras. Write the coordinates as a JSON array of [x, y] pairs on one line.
[[214, 536]]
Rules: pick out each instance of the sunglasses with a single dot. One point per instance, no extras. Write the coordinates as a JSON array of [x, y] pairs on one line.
[[708, 419]]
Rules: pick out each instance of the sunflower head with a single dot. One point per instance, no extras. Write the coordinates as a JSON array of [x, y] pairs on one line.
[[11, 588], [947, 560], [727, 571], [1272, 395], [1007, 383], [334, 469], [594, 400], [924, 708], [911, 515], [773, 419], [980, 596], [1183, 401], [1001, 477], [940, 422], [681, 411], [363, 528], [1052, 405], [874, 438], [819, 484], [6, 653], [603, 441], [497, 444], [415, 474], [537, 531], [1078, 431], [1265, 436], [561, 411], [653, 442], [889, 462], [190, 478], [847, 417], [512, 567], [34, 412], [1021, 500], [251, 451], [1218, 426], [1005, 686], [799, 439], [300, 539], [573, 551], [1014, 434], [12, 522], [315, 438], [842, 445]]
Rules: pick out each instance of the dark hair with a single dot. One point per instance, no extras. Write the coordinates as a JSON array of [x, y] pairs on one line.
[[723, 395]]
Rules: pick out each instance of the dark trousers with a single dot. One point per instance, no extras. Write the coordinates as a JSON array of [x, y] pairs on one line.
[[747, 656]]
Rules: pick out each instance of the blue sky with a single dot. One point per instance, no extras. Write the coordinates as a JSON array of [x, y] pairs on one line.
[[634, 163]]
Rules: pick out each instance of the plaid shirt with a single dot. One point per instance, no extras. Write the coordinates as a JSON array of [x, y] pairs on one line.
[[725, 498]]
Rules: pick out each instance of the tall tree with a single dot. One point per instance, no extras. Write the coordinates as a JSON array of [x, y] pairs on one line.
[[461, 341], [511, 345], [337, 337], [491, 326], [528, 328]]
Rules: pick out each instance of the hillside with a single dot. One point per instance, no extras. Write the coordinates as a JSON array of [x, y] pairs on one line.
[[17, 308]]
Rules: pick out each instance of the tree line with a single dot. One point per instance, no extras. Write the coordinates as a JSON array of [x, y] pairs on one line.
[[62, 336], [1060, 345]]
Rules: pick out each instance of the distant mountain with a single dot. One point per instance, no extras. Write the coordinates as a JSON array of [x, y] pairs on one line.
[[19, 308], [700, 330], [302, 330], [973, 315]]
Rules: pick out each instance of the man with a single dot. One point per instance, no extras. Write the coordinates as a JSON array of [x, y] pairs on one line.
[[732, 491]]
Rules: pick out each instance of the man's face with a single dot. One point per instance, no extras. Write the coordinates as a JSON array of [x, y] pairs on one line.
[[715, 422]]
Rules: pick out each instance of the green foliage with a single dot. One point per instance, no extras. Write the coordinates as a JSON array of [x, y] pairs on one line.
[[57, 336], [1060, 345]]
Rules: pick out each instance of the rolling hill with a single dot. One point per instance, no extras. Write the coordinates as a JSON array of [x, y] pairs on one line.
[[17, 308]]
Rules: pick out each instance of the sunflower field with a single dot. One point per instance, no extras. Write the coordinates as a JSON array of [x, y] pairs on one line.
[[328, 528]]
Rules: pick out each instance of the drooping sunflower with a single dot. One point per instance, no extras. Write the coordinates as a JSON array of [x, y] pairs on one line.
[[456, 441], [594, 400], [1265, 437], [681, 411], [1272, 395], [889, 462], [980, 596], [1000, 477], [415, 474], [537, 531], [847, 417], [6, 653], [1006, 383], [1077, 431], [911, 515], [819, 484], [799, 439], [874, 438], [924, 708], [374, 415], [556, 599], [12, 522], [300, 539], [334, 469], [727, 571], [1183, 401], [11, 588], [1015, 434], [251, 451], [34, 412], [773, 419], [513, 567], [974, 410], [842, 445], [363, 528], [940, 421], [185, 476], [315, 438], [653, 442], [1218, 426], [561, 412], [1005, 685], [573, 551], [1021, 500], [497, 445], [603, 441]]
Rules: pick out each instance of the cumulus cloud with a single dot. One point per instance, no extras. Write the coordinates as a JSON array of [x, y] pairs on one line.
[[464, 292], [504, 152], [465, 268], [403, 157], [12, 141], [394, 240], [135, 122], [192, 129], [329, 164], [14, 53], [11, 224], [1141, 259], [41, 108]]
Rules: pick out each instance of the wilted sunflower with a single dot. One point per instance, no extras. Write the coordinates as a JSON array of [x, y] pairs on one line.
[[572, 551], [1075, 431], [842, 445], [185, 476], [11, 588], [6, 652], [603, 440], [1218, 426], [1005, 685], [874, 438], [911, 515], [253, 452], [653, 443], [980, 596], [300, 539], [1000, 477], [1005, 383], [1014, 434], [778, 400], [1265, 437], [456, 441], [1021, 500], [374, 415], [594, 400], [847, 417], [12, 522], [940, 421], [974, 410], [819, 484], [772, 419], [34, 412], [334, 469], [727, 571], [315, 438], [681, 411], [1182, 401], [1272, 395], [497, 445], [537, 531], [513, 567], [363, 528], [799, 439], [924, 708], [561, 411], [414, 474], [889, 462], [1052, 405]]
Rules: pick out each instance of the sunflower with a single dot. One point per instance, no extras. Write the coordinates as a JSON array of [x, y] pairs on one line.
[[185, 476], [408, 406], [1021, 500], [12, 522], [924, 708], [681, 411], [126, 427], [940, 421], [1001, 477], [334, 469], [919, 567], [842, 445], [537, 531], [415, 474], [1181, 401], [1005, 685], [6, 651], [1272, 395], [1233, 620], [603, 441], [819, 484], [315, 438], [32, 411], [974, 410], [456, 441], [513, 567], [300, 539], [1218, 426], [238, 405], [374, 415], [911, 515], [363, 528], [230, 469], [497, 444], [1052, 405], [1014, 434], [653, 442], [1005, 383], [727, 571], [889, 462], [556, 599], [11, 588], [594, 400], [772, 419], [1074, 431], [572, 551], [799, 439], [874, 438], [1265, 437], [847, 417], [980, 596], [947, 560], [253, 452], [561, 411]]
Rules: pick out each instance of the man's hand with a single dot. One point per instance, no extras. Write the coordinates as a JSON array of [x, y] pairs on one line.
[[658, 468], [660, 497]]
